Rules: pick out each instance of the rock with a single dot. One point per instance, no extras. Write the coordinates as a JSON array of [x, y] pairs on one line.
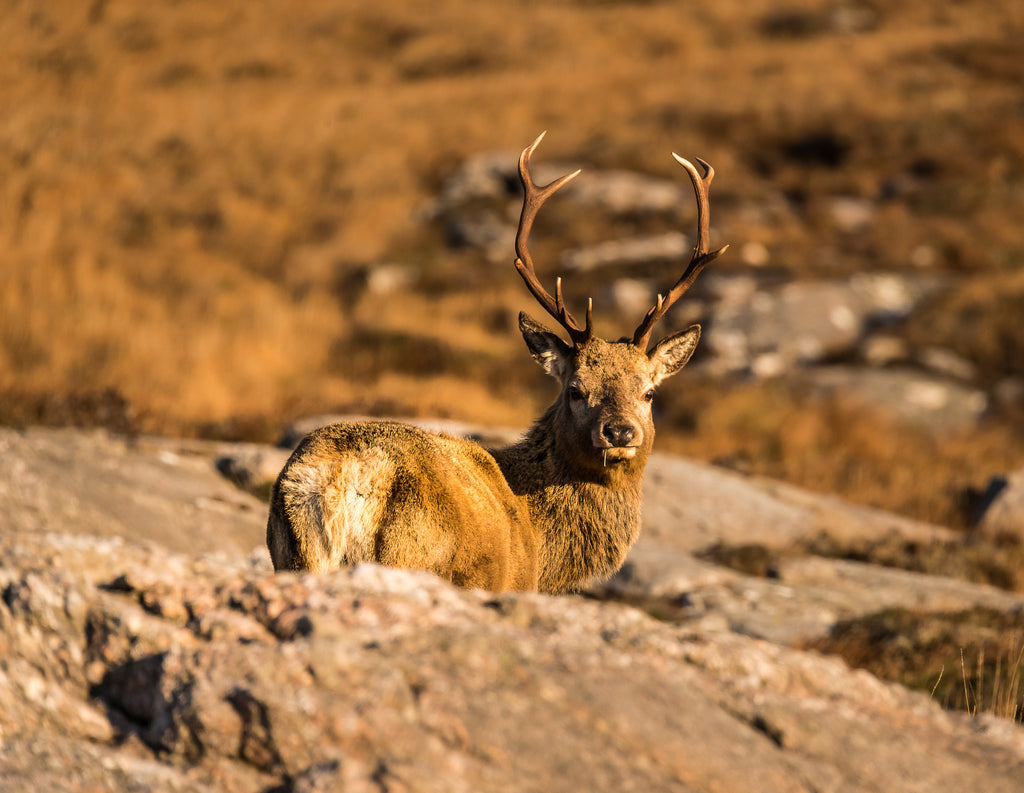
[[804, 598], [486, 177], [145, 489], [492, 177], [754, 254], [251, 466], [771, 331], [691, 510], [629, 193], [691, 506], [478, 205], [483, 230], [851, 214], [670, 247], [132, 666], [935, 403], [947, 363], [884, 350], [385, 279], [1002, 515], [631, 296], [401, 681]]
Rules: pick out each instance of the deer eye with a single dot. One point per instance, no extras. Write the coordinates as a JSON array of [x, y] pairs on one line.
[[649, 395]]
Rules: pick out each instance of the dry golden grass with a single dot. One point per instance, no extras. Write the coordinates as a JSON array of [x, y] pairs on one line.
[[185, 189], [830, 445]]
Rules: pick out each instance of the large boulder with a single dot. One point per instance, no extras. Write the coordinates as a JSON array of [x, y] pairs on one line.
[[127, 665], [129, 668]]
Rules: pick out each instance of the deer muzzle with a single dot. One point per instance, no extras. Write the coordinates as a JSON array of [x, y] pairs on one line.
[[619, 439]]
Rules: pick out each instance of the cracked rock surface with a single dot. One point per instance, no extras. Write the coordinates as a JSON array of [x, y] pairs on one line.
[[128, 665]]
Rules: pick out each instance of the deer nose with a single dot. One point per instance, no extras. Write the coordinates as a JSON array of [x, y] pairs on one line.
[[618, 434]]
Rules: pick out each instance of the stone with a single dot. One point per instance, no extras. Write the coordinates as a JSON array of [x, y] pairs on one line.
[[628, 193], [851, 214], [1002, 515], [130, 665], [947, 363], [672, 247], [406, 682], [935, 403], [146, 489], [770, 331]]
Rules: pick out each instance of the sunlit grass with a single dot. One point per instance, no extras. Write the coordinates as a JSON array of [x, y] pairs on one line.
[[990, 685]]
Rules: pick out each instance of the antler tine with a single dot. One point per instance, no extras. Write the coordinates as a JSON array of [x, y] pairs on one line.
[[701, 257], [534, 197]]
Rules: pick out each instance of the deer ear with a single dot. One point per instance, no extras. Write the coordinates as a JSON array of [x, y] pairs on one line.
[[671, 353], [546, 348]]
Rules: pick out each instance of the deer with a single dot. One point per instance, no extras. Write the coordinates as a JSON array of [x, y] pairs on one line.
[[552, 512]]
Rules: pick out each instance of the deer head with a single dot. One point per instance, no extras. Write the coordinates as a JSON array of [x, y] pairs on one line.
[[604, 409]]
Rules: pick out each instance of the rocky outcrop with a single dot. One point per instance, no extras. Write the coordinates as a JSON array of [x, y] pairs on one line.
[[127, 665], [746, 554], [144, 669]]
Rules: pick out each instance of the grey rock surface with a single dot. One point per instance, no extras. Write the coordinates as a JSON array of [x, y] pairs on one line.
[[771, 331], [144, 489], [1003, 515], [128, 665]]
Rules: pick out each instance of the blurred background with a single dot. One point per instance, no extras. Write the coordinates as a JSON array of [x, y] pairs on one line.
[[216, 218]]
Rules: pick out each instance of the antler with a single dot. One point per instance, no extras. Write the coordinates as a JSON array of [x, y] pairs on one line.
[[700, 258], [533, 198]]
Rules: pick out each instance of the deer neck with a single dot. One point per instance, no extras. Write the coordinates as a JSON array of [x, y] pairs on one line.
[[587, 515]]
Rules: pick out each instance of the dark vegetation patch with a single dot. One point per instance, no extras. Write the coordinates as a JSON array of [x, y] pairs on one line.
[[969, 660], [106, 407], [981, 560], [368, 354], [748, 558]]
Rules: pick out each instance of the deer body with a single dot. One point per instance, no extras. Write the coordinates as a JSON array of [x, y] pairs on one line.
[[390, 493], [555, 510]]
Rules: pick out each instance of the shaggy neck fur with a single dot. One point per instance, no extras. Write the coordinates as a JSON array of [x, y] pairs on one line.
[[587, 514]]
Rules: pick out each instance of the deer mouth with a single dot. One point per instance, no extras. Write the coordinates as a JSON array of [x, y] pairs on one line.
[[617, 454]]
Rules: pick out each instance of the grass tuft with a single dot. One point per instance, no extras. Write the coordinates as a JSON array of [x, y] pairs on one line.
[[921, 651]]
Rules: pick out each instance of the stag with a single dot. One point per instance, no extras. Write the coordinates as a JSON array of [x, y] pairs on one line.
[[557, 509]]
